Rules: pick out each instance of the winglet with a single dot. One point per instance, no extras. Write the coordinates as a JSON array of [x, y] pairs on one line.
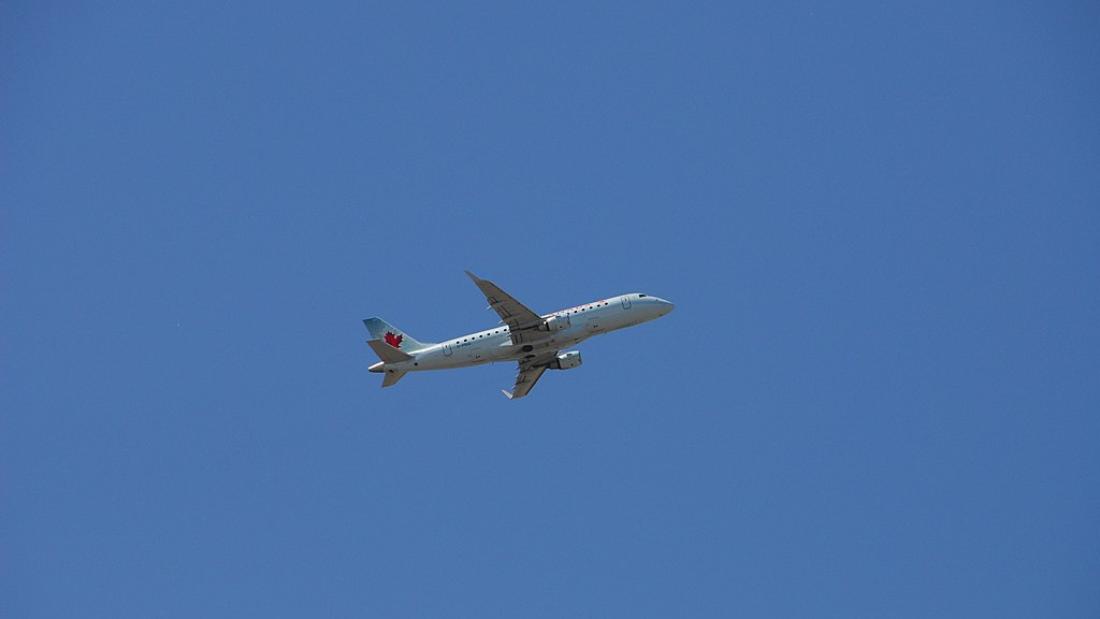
[[507, 394], [477, 281]]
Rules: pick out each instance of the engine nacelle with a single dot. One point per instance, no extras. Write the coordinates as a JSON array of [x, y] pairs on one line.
[[557, 322], [566, 361]]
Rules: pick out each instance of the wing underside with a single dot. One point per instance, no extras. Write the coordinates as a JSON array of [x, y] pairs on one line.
[[524, 328], [522, 322], [530, 371]]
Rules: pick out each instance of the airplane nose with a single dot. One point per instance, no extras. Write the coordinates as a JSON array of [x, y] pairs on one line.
[[666, 307]]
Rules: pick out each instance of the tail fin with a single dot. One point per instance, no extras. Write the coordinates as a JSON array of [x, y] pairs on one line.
[[382, 330]]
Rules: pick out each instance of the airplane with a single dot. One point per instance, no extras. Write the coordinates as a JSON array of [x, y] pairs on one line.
[[534, 341]]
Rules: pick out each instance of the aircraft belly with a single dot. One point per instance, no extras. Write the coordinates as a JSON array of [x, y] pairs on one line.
[[450, 356]]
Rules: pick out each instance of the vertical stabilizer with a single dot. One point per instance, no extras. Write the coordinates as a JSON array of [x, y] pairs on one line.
[[382, 330]]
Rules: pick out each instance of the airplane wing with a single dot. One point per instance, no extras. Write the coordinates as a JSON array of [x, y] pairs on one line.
[[516, 315], [530, 371]]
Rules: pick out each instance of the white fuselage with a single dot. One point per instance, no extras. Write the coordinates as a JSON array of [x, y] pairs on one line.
[[495, 344]]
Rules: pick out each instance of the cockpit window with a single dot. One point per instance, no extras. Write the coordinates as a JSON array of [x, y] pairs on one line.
[[641, 295]]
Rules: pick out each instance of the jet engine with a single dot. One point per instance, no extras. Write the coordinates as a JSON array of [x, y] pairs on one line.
[[566, 361], [557, 322]]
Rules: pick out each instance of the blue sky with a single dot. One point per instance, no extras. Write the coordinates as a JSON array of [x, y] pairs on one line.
[[878, 395]]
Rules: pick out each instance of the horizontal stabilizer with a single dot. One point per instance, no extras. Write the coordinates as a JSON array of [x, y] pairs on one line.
[[391, 378], [387, 353]]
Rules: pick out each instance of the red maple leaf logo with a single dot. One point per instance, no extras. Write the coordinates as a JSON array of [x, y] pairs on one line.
[[394, 340]]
